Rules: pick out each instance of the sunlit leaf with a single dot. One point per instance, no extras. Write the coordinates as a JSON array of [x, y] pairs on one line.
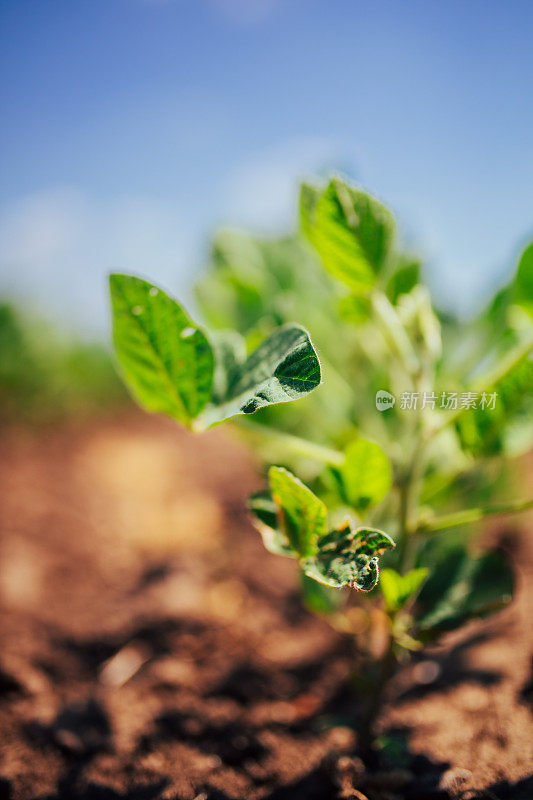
[[366, 474], [398, 589], [284, 367], [351, 231], [165, 359], [523, 283], [302, 516], [404, 278]]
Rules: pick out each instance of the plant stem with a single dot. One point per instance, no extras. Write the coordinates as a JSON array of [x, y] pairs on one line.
[[387, 668], [301, 447], [394, 332], [474, 515]]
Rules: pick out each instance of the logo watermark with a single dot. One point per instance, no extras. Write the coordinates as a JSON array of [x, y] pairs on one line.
[[384, 400], [448, 401]]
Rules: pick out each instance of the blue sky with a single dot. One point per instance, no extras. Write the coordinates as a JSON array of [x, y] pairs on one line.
[[132, 128]]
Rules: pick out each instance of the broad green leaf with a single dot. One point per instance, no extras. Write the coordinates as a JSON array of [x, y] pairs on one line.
[[462, 587], [165, 359], [404, 278], [399, 589], [284, 367], [372, 542], [230, 353], [319, 598], [366, 474], [351, 231], [267, 521], [344, 569], [348, 557], [302, 516], [523, 283], [354, 309], [500, 425]]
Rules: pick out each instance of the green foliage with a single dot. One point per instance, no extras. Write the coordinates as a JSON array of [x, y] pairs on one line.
[[301, 515], [523, 283], [366, 467], [351, 231], [284, 367], [293, 522], [462, 587], [348, 556], [170, 366], [46, 376], [398, 589], [366, 475], [166, 359], [404, 278]]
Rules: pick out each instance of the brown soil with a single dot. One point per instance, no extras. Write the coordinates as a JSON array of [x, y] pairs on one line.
[[150, 648]]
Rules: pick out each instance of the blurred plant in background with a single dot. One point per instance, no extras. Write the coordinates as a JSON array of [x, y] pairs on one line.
[[46, 376]]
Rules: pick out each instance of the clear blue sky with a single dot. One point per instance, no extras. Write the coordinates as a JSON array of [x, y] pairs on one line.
[[131, 128]]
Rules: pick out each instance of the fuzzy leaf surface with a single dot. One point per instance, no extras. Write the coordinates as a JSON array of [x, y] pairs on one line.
[[284, 367], [302, 516], [351, 231], [165, 358]]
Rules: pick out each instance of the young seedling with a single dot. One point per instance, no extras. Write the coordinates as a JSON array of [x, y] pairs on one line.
[[444, 406]]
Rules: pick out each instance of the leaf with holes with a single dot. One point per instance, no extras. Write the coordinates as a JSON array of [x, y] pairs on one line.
[[348, 556]]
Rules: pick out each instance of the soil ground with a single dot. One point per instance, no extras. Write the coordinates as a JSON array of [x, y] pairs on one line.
[[150, 648]]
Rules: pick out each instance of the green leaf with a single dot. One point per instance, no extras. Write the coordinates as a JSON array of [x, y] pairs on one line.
[[366, 474], [301, 515], [165, 359], [404, 278], [506, 428], [461, 588], [351, 231], [372, 542], [349, 557], [523, 283], [230, 353], [266, 514], [319, 598], [399, 589], [284, 367], [354, 308], [344, 569]]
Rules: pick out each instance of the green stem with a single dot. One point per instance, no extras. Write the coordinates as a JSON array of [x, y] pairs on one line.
[[301, 447], [394, 332], [387, 668], [474, 515]]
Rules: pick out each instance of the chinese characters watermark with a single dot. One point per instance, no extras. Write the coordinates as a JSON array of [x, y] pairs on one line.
[[448, 401]]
